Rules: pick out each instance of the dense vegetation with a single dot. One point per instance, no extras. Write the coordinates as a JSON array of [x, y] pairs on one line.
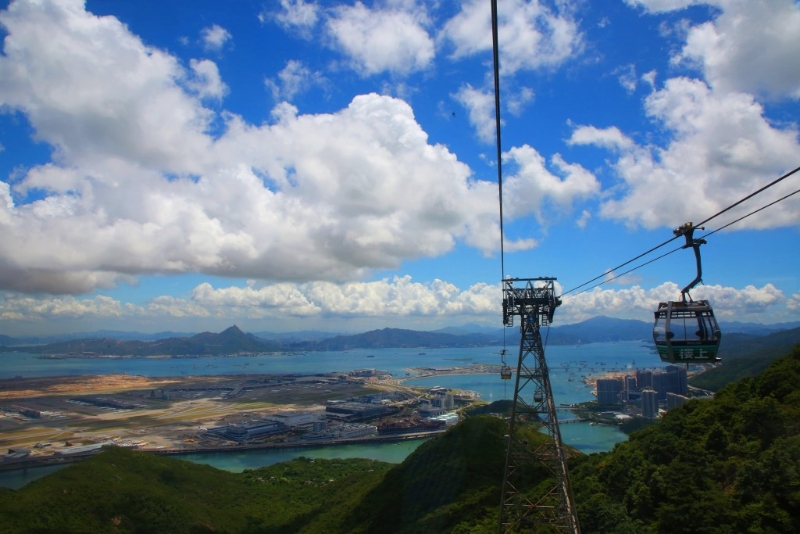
[[124, 491], [726, 465]]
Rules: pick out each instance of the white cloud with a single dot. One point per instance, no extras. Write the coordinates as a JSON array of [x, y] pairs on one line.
[[517, 100], [139, 187], [533, 187], [17, 307], [650, 79], [747, 304], [584, 218], [480, 105], [611, 138], [662, 6], [295, 78], [531, 34], [214, 37], [398, 300], [393, 39], [627, 77], [721, 149], [295, 14], [206, 81], [88, 86], [750, 47], [389, 298]]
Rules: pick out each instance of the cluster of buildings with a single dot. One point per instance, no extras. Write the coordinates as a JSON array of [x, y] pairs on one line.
[[356, 417], [646, 391], [441, 402]]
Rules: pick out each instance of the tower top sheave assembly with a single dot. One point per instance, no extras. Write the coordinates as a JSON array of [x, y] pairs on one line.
[[529, 298]]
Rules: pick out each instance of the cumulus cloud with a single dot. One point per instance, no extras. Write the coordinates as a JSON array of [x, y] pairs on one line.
[[398, 298], [480, 106], [721, 148], [533, 186], [661, 6], [531, 34], [206, 81], [294, 79], [390, 39], [747, 47], [214, 37], [750, 47], [89, 87], [747, 304], [138, 185], [18, 307], [295, 14]]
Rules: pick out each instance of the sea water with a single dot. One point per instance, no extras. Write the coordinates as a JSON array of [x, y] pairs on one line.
[[568, 365]]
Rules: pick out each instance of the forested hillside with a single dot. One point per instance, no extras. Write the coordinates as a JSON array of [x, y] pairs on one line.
[[727, 465]]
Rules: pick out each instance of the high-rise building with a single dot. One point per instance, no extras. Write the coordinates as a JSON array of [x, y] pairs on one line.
[[650, 404], [673, 381], [608, 390], [644, 379], [630, 383]]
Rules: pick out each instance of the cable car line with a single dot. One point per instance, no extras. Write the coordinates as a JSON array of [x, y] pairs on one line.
[[621, 265], [752, 213], [751, 195], [670, 252], [496, 71], [624, 273]]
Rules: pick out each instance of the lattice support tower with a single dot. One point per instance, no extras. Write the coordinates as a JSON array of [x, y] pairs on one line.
[[534, 301]]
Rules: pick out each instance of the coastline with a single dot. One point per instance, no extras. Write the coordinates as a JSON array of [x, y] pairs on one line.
[[46, 461]]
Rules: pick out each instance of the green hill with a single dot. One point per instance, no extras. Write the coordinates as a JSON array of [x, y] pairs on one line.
[[731, 464], [125, 491]]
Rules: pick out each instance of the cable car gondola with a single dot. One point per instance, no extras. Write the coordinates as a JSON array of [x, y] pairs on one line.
[[505, 370], [686, 331]]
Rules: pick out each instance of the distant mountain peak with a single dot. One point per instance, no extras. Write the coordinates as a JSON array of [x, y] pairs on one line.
[[233, 330]]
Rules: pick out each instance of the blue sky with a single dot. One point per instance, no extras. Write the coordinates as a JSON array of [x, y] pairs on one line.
[[292, 165]]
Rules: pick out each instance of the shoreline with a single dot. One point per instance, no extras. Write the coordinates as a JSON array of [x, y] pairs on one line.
[[31, 463]]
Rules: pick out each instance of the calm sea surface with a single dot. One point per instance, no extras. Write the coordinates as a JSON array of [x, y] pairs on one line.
[[567, 364]]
